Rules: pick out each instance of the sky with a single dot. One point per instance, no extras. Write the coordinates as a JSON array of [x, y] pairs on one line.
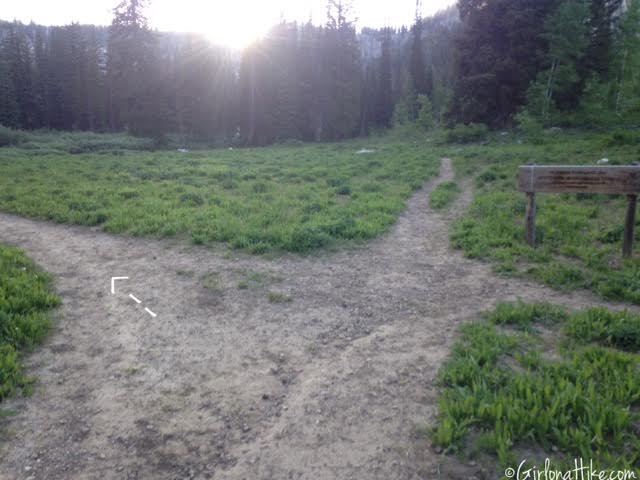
[[230, 22]]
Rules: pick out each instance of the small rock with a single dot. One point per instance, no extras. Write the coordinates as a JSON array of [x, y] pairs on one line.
[[265, 396], [27, 468]]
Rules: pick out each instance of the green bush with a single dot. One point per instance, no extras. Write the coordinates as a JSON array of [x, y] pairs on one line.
[[10, 137], [623, 137], [612, 329], [474, 132]]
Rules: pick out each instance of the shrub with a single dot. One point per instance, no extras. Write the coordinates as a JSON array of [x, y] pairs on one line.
[[10, 137], [474, 132], [530, 127], [622, 137]]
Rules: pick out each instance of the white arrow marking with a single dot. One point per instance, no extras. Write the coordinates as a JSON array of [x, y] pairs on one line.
[[113, 283], [150, 312], [135, 299]]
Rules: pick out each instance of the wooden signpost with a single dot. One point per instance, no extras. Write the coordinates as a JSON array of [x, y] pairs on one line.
[[620, 180]]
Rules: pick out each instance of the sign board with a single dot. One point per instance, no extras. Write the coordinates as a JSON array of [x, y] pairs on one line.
[[620, 180], [580, 179]]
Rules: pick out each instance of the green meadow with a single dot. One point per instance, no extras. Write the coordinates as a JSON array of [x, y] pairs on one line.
[[282, 198], [304, 197], [579, 237]]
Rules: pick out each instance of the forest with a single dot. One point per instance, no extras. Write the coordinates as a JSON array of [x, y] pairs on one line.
[[532, 63]]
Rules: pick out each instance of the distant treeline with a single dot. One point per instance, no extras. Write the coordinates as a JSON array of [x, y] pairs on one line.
[[482, 62]]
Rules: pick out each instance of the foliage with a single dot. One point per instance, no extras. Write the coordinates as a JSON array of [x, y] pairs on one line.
[[11, 137], [400, 114], [443, 195], [473, 132], [25, 299], [503, 394], [276, 198], [610, 329], [498, 55], [299, 81], [425, 112], [530, 126], [579, 237], [566, 31]]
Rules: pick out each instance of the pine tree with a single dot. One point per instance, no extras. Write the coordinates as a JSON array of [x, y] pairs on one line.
[[9, 110], [497, 57], [417, 67], [138, 93], [343, 70], [601, 24], [384, 90], [16, 54]]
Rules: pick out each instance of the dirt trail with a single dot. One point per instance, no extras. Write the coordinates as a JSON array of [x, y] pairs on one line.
[[225, 384]]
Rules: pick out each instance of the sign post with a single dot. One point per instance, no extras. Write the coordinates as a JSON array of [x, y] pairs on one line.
[[618, 180]]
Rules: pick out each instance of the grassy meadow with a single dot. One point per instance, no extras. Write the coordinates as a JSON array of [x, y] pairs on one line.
[[579, 237], [300, 198], [282, 198]]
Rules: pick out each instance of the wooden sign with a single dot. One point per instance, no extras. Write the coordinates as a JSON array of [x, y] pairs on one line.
[[620, 180], [579, 179]]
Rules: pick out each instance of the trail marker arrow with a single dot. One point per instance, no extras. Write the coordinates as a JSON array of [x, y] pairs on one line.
[[113, 283]]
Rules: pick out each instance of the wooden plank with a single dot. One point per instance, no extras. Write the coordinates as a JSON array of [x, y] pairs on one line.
[[627, 246], [580, 179], [530, 219]]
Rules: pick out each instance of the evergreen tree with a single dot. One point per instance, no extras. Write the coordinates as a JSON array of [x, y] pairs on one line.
[[17, 55], [9, 110], [383, 95], [417, 67], [343, 70], [138, 93], [497, 58], [601, 24]]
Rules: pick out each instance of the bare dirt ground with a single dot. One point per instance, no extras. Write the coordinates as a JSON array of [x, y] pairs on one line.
[[338, 383]]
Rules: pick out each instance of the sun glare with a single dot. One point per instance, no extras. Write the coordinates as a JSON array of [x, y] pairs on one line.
[[234, 24]]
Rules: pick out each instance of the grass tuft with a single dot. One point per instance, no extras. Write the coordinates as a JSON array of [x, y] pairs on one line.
[[443, 195], [25, 301]]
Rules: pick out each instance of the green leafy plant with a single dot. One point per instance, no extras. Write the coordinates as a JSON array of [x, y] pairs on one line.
[[501, 395], [25, 303]]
